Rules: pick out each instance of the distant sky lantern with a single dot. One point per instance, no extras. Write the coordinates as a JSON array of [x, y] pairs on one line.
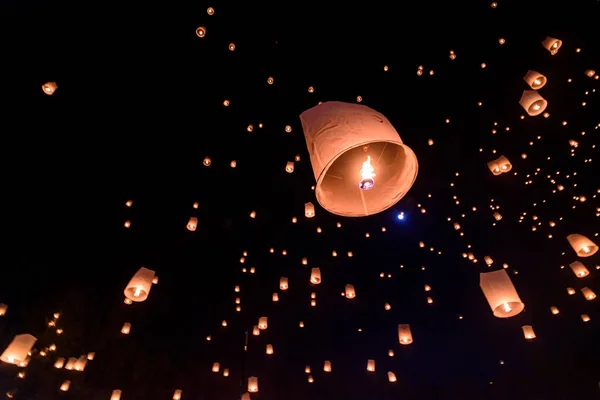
[[3, 309], [552, 45], [65, 386], [91, 355], [126, 328], [350, 292], [127, 224], [500, 165], [535, 80], [192, 224], [497, 216], [263, 323], [253, 384], [570, 291], [225, 372], [500, 294], [201, 31], [315, 276], [344, 168], [270, 80], [129, 203], [501, 40], [255, 330], [585, 318], [226, 103], [404, 334], [297, 158], [216, 367], [288, 128], [231, 46], [488, 260], [391, 377], [246, 396], [533, 103], [233, 164], [283, 283], [327, 366], [289, 167], [371, 365], [195, 205], [269, 349], [588, 293], [309, 210], [311, 89], [17, 352], [71, 363], [59, 363], [253, 214], [528, 332], [304, 261], [49, 88], [579, 269], [206, 161], [210, 11], [590, 73], [139, 286], [177, 395], [115, 395], [554, 310], [583, 246]]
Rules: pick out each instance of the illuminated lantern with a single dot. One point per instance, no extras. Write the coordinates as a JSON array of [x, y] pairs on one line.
[[309, 210], [533, 103], [500, 294], [275, 297], [49, 88], [371, 365], [71, 363], [315, 276], [201, 31], [535, 80], [570, 291], [583, 246], [91, 355], [263, 323], [579, 269], [116, 395], [289, 167], [206, 161], [226, 372], [456, 226], [283, 283], [126, 328], [590, 73], [554, 310], [246, 396], [139, 286], [404, 334], [216, 367], [488, 260], [255, 330], [350, 292], [585, 318], [253, 384], [81, 363], [588, 293], [500, 165], [391, 377], [552, 45], [327, 366], [3, 309], [304, 261], [65, 386], [177, 395], [59, 363], [497, 216], [528, 332], [342, 139], [17, 352], [269, 349], [192, 224]]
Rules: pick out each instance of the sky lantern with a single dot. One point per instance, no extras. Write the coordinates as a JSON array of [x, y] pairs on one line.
[[192, 224], [391, 377], [554, 310], [116, 395], [528, 332], [263, 323], [283, 283], [349, 292], [327, 366], [177, 395], [533, 103], [139, 286], [49, 88], [289, 167], [126, 328], [201, 31], [17, 352], [404, 334], [500, 165], [309, 210], [65, 386], [590, 73], [583, 246], [246, 396], [269, 349], [315, 276], [579, 269], [588, 293], [552, 45], [500, 293], [361, 165], [371, 365], [253, 384], [216, 367], [535, 80], [59, 363], [3, 309], [585, 318]]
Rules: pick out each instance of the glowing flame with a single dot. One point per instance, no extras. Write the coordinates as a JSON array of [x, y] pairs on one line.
[[137, 292], [367, 172], [586, 249], [506, 307], [537, 81], [536, 107]]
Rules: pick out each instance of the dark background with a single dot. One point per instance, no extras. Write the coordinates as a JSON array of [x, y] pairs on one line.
[[138, 107]]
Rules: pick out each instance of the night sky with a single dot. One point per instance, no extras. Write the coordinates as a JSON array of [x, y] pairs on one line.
[[138, 107]]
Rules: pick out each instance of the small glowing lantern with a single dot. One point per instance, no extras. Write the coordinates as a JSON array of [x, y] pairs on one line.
[[126, 328], [350, 293], [253, 384], [533, 103], [583, 246], [391, 377], [17, 352], [116, 395], [253, 214], [301, 324], [570, 291], [554, 310], [139, 286], [590, 73], [216, 367], [49, 88], [283, 283], [275, 297], [497, 216], [81, 363], [343, 139], [255, 330], [177, 395], [289, 167], [404, 334], [309, 210], [71, 363], [3, 309], [226, 372], [552, 45], [500, 165], [327, 366], [206, 161], [528, 332], [192, 224], [246, 396], [263, 323], [488, 260], [65, 386], [387, 306], [269, 349], [371, 365], [315, 276], [535, 80], [579, 269], [201, 31], [59, 363], [500, 294], [588, 293], [91, 355], [585, 318]]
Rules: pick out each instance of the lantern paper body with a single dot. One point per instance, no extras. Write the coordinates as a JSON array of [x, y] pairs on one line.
[[81, 363], [177, 395], [391, 377], [404, 334], [315, 276], [337, 135], [283, 283], [554, 310], [116, 395], [139, 286], [350, 292], [253, 384], [327, 366], [263, 323], [528, 332], [579, 269], [126, 328], [71, 363], [3, 309], [65, 386], [500, 165], [552, 45], [216, 367], [583, 246], [192, 224], [585, 318], [289, 167], [49, 88], [17, 351], [535, 80], [246, 396], [59, 363], [533, 103], [309, 210], [269, 349], [371, 365], [588, 293], [500, 294]]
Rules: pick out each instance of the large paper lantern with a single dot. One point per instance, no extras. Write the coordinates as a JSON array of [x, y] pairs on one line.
[[253, 384], [139, 286], [116, 395], [583, 246], [18, 350], [552, 45], [500, 165], [500, 294], [315, 276], [528, 332], [579, 269], [361, 165], [404, 334], [309, 210], [533, 103], [535, 80]]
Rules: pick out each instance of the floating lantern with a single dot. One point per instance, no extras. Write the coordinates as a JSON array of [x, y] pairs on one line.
[[17, 352], [206, 162], [275, 297], [588, 293], [263, 323], [3, 309], [304, 261], [65, 386], [71, 363], [216, 367], [535, 80], [49, 88], [126, 328], [315, 276], [404, 334], [350, 292], [283, 283], [533, 103], [246, 396], [552, 45], [226, 372], [255, 330], [192, 224], [488, 260], [585, 318], [269, 349], [391, 377], [59, 363], [590, 73], [81, 363], [583, 246], [570, 291], [139, 286], [91, 355], [497, 216], [177, 395], [528, 332], [500, 294], [500, 165], [201, 31], [579, 269], [309, 210], [289, 167], [253, 384], [116, 395], [327, 366], [554, 310], [371, 365], [342, 138]]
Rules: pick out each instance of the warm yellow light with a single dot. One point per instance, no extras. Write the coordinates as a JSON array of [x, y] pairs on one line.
[[586, 249], [507, 307], [137, 292], [367, 172]]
